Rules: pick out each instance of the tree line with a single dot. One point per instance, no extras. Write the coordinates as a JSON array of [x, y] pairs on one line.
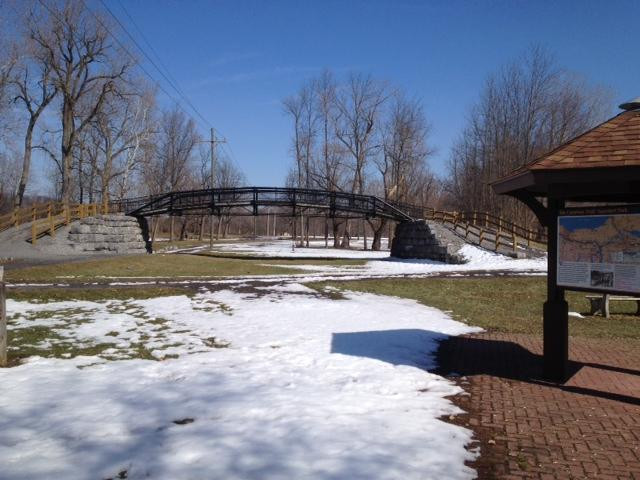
[[362, 135], [73, 92]]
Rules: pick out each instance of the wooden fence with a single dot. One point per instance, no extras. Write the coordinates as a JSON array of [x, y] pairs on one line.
[[490, 231], [46, 218]]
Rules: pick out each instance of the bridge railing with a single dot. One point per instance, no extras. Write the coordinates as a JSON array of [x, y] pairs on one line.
[[203, 200]]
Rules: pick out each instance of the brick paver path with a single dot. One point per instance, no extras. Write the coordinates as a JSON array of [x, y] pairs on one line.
[[526, 428]]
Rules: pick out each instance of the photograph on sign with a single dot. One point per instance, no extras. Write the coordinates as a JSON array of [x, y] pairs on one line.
[[599, 252]]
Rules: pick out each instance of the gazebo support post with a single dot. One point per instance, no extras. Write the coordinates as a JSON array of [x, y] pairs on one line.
[[556, 308]]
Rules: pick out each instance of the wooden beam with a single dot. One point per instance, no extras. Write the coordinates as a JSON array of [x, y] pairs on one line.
[[534, 204], [556, 309]]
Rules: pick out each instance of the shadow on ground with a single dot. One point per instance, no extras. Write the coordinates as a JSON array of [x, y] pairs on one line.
[[412, 347], [473, 355]]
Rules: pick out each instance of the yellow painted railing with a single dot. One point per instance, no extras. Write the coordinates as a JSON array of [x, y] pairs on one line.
[[46, 218]]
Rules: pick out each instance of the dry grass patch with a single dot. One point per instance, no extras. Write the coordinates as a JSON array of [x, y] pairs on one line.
[[166, 266], [502, 304]]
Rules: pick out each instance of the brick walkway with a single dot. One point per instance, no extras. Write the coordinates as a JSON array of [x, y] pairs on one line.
[[527, 428]]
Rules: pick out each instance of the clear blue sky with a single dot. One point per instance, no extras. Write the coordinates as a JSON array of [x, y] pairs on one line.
[[236, 60]]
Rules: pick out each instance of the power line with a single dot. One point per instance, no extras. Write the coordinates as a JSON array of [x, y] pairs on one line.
[[144, 70], [148, 57], [119, 43]]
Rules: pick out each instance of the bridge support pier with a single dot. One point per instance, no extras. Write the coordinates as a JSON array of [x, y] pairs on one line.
[[426, 240]]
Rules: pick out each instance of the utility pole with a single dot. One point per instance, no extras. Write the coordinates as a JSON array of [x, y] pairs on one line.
[[213, 181]]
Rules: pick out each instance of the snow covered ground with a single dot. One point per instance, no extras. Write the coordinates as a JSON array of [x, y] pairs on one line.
[[285, 248], [380, 264], [285, 383]]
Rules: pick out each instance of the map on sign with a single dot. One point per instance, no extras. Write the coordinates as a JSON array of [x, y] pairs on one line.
[[599, 252]]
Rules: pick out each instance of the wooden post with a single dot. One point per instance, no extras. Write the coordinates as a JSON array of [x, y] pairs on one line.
[[16, 220], [3, 320], [556, 309], [34, 233], [515, 242], [52, 230]]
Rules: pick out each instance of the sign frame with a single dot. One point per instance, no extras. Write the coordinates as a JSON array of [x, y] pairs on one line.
[[613, 210]]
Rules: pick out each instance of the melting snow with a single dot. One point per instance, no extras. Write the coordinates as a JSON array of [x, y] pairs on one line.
[[308, 388]]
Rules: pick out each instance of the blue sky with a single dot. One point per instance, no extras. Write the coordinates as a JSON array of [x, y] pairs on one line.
[[236, 60]]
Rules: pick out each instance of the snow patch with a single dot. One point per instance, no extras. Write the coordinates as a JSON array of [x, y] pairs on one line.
[[308, 388]]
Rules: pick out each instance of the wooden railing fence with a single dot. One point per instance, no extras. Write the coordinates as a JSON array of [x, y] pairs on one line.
[[489, 230], [46, 218]]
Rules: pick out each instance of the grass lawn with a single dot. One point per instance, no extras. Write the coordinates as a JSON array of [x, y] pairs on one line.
[[94, 293], [503, 304], [163, 245], [160, 266]]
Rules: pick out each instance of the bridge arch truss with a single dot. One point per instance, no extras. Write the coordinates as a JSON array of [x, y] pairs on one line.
[[252, 201]]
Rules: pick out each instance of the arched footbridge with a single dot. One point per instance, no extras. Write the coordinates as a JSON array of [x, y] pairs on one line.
[[263, 200], [477, 227]]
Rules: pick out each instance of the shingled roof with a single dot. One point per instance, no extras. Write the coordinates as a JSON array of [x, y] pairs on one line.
[[600, 154], [614, 143]]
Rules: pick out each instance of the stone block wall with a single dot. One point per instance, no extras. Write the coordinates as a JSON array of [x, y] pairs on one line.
[[113, 233], [426, 240]]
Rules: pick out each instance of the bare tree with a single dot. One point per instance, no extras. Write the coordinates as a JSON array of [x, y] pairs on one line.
[[122, 129], [301, 108], [84, 64], [402, 161], [35, 92], [9, 173], [526, 109], [328, 170], [228, 175], [358, 108], [172, 163]]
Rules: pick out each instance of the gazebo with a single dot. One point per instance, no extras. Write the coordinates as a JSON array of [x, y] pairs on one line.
[[598, 171]]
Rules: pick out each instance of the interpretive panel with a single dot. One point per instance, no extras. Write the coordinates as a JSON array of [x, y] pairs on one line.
[[599, 252]]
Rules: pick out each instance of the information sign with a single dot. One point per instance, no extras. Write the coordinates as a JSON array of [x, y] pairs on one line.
[[599, 249]]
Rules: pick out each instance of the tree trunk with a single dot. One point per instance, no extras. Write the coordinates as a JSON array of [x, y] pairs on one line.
[[376, 243], [66, 149], [336, 234], [346, 236], [156, 221], [201, 231], [183, 230], [346, 239], [364, 233], [219, 227], [326, 232], [171, 227], [227, 222], [26, 165]]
